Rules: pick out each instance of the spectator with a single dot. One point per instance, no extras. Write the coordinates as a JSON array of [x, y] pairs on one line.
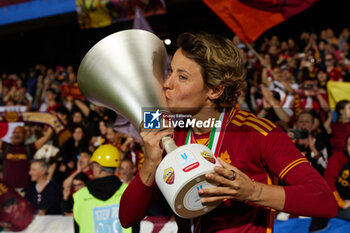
[[337, 177], [45, 195], [333, 71], [94, 115], [311, 142], [82, 166], [322, 78], [17, 156], [99, 140], [100, 195], [272, 108], [62, 114], [69, 152], [118, 140], [127, 170], [50, 101], [341, 127], [78, 182]]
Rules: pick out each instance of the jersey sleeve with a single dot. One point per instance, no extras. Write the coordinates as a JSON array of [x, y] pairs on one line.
[[135, 202], [306, 192]]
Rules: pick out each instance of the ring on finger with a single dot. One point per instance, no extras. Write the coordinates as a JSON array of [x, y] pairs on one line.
[[234, 175]]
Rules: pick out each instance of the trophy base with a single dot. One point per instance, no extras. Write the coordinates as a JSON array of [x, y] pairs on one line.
[[180, 176]]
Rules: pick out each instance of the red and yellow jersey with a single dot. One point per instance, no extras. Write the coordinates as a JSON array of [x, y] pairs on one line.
[[262, 151]]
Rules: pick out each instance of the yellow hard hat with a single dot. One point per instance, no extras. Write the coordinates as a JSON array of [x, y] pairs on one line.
[[107, 156]]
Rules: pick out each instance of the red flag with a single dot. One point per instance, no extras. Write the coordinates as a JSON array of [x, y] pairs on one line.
[[250, 18]]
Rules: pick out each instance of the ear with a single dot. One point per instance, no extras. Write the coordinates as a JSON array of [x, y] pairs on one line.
[[216, 92]]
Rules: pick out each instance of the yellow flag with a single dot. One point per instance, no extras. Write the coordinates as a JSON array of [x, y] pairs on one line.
[[337, 91]]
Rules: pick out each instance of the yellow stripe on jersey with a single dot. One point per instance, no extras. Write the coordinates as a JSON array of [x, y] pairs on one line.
[[255, 120], [230, 115], [340, 201], [268, 122], [291, 165], [240, 117], [251, 125], [244, 113], [260, 125]]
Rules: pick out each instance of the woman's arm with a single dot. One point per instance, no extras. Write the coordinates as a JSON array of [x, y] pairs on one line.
[[307, 194], [135, 202], [137, 197], [242, 188]]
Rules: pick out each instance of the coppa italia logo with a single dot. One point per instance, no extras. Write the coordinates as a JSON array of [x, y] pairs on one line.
[[154, 120]]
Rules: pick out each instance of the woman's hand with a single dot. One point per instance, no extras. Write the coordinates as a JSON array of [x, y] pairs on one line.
[[152, 145], [153, 153], [233, 184], [66, 192]]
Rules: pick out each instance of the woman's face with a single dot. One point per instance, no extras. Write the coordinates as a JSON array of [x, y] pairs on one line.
[[78, 134], [184, 87], [77, 117], [322, 76], [77, 185]]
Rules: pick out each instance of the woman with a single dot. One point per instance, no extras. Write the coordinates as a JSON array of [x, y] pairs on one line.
[[340, 129], [69, 151], [78, 181], [337, 176], [205, 79]]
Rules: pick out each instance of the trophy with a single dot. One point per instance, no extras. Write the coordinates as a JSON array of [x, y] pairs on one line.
[[125, 72]]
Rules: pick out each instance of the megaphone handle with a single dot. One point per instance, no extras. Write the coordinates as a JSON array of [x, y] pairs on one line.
[[168, 144]]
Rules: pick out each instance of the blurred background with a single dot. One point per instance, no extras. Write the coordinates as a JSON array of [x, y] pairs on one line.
[[56, 38]]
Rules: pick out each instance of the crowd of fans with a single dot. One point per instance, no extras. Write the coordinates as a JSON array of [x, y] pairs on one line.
[[287, 84]]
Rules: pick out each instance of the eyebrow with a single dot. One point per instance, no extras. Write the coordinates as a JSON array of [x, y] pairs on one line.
[[183, 71]]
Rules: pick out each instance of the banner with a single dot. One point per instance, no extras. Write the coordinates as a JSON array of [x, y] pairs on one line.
[[250, 18], [337, 91], [34, 117], [102, 13], [71, 90], [6, 128]]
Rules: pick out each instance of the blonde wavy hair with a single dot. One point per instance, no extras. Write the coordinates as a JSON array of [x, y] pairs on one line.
[[220, 62]]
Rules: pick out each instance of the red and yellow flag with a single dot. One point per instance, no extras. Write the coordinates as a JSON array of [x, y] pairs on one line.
[[250, 18]]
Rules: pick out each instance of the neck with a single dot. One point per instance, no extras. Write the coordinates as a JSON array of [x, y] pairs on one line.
[[343, 119], [203, 115], [42, 180]]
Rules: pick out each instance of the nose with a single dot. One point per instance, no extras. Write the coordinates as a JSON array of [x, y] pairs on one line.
[[168, 83]]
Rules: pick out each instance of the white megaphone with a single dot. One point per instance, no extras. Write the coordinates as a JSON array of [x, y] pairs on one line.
[[125, 72]]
